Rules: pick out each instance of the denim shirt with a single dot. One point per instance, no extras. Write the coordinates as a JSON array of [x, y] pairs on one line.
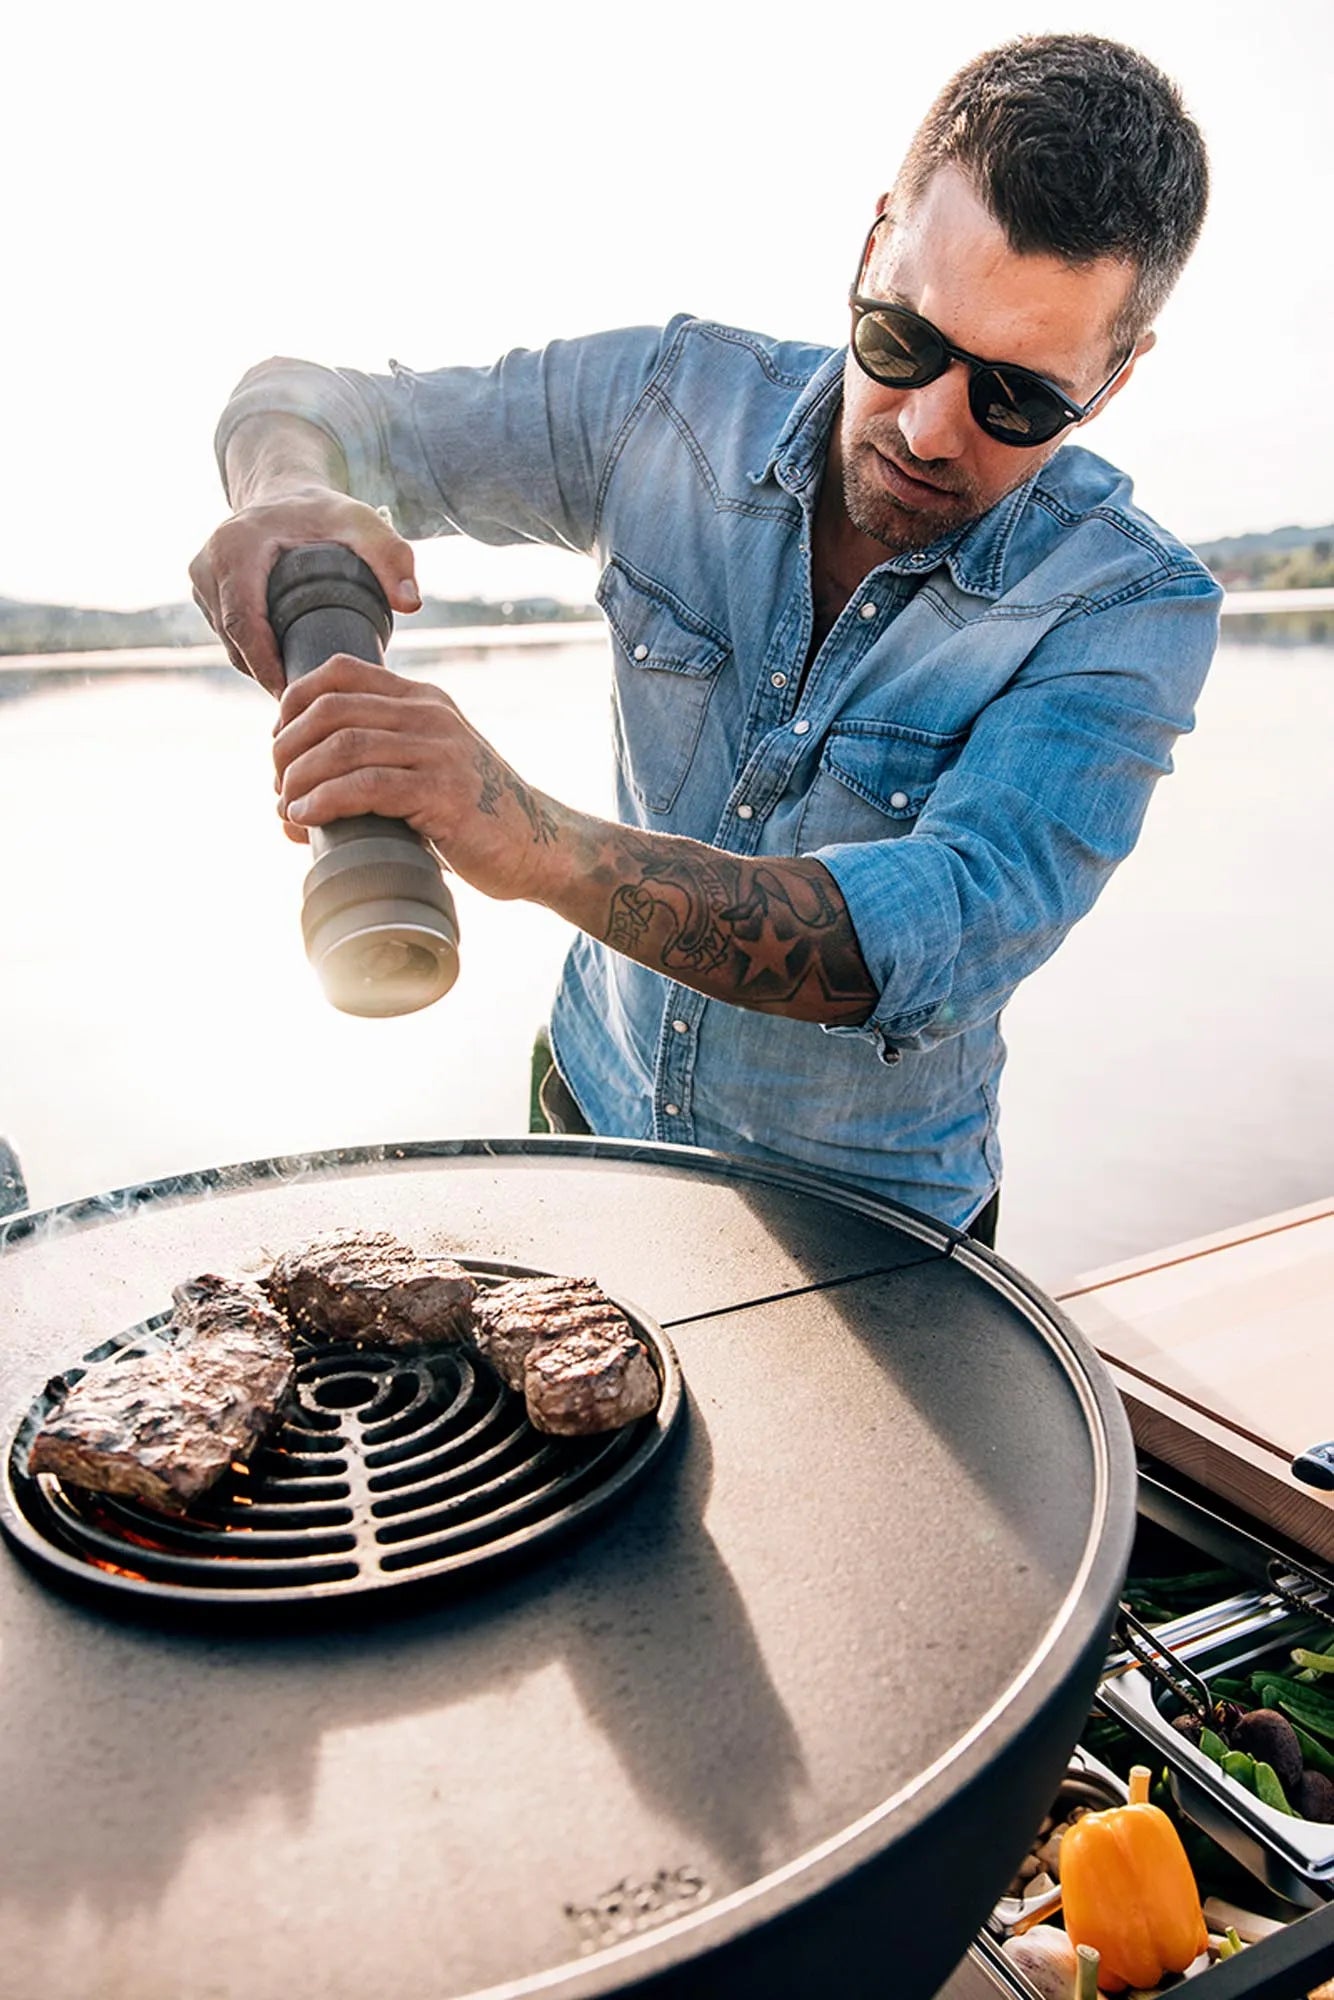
[[970, 753]]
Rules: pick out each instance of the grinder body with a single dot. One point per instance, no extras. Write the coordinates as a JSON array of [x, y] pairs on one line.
[[378, 920]]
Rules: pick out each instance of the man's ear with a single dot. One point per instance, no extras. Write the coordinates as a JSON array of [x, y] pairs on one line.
[[1142, 346]]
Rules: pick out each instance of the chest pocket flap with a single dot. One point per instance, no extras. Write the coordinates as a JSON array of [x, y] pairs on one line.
[[653, 627], [889, 766], [666, 659], [874, 779]]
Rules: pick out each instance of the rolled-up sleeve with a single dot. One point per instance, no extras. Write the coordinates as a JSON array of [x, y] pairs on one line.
[[514, 452], [1018, 838]]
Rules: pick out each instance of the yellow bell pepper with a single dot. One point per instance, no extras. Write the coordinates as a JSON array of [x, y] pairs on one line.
[[1127, 1890]]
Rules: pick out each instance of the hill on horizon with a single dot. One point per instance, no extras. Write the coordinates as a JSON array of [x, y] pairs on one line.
[[1288, 558], [69, 628]]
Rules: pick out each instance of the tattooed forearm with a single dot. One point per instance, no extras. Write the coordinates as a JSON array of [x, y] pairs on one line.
[[695, 941], [771, 934], [497, 779]]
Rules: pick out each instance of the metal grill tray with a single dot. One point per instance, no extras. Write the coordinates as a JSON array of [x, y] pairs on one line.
[[392, 1472], [1294, 1857]]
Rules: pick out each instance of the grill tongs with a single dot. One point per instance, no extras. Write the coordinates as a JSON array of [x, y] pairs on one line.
[[1301, 1589], [1163, 1666]]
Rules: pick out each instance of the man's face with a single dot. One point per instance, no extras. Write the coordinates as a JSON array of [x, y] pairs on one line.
[[915, 464]]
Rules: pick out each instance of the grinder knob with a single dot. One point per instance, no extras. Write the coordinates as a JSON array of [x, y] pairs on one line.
[[378, 919]]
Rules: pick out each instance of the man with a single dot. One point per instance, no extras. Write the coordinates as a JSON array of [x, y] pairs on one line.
[[895, 672]]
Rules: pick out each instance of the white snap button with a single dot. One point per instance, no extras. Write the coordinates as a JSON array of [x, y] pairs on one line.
[[641, 652], [800, 728], [681, 1027], [672, 1110], [778, 680], [745, 812], [898, 800], [869, 610]]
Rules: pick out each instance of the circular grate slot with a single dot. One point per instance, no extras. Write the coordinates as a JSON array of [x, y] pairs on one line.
[[390, 1469]]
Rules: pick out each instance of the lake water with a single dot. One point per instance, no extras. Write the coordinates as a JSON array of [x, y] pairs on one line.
[[1171, 1071]]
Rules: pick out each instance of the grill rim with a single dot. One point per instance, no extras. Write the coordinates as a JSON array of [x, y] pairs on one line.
[[377, 1592], [833, 1894], [92, 1211]]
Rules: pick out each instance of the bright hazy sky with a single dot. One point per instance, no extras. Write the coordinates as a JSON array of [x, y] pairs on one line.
[[188, 189]]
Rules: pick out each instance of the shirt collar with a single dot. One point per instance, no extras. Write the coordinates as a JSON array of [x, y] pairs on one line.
[[974, 554]]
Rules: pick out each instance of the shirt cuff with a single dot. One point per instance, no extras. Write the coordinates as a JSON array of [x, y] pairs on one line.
[[904, 909]]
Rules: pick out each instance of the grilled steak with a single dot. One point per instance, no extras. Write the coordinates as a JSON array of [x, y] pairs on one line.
[[591, 1380], [563, 1345], [372, 1290], [164, 1427], [509, 1318]]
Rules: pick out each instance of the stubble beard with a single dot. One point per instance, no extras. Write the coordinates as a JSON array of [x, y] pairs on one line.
[[884, 517]]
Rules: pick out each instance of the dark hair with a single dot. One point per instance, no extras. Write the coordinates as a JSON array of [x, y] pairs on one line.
[[1080, 149]]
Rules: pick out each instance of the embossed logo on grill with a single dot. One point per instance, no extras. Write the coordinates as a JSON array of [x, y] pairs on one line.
[[631, 1906]]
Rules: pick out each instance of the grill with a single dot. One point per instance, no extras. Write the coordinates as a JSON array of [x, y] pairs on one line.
[[780, 1724], [393, 1473]]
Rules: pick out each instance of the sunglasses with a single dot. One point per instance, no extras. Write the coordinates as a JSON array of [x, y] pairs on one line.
[[901, 350]]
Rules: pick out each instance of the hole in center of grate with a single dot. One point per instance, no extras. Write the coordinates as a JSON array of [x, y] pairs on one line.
[[344, 1392]]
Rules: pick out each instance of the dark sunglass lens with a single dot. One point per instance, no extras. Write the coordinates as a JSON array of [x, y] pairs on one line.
[[897, 351], [1014, 407]]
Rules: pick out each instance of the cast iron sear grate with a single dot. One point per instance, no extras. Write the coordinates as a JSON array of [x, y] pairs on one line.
[[391, 1471]]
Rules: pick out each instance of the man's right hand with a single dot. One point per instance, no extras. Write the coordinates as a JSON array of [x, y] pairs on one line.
[[284, 503]]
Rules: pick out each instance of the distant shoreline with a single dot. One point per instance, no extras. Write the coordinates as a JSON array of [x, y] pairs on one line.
[[463, 641], [1283, 569], [1258, 603], [454, 640]]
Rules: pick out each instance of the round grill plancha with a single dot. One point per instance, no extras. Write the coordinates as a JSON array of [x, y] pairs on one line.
[[392, 1471], [781, 1724]]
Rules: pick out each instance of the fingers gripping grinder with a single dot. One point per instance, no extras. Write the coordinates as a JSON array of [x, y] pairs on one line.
[[378, 920]]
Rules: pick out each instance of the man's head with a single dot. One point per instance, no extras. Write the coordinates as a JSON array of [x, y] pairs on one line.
[[1043, 212], [1081, 150]]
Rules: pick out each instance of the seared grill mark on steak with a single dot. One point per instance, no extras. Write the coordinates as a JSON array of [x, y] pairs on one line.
[[593, 1380], [371, 1290], [563, 1345], [164, 1427]]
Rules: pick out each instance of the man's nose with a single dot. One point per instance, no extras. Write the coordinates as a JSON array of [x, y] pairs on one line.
[[935, 420]]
